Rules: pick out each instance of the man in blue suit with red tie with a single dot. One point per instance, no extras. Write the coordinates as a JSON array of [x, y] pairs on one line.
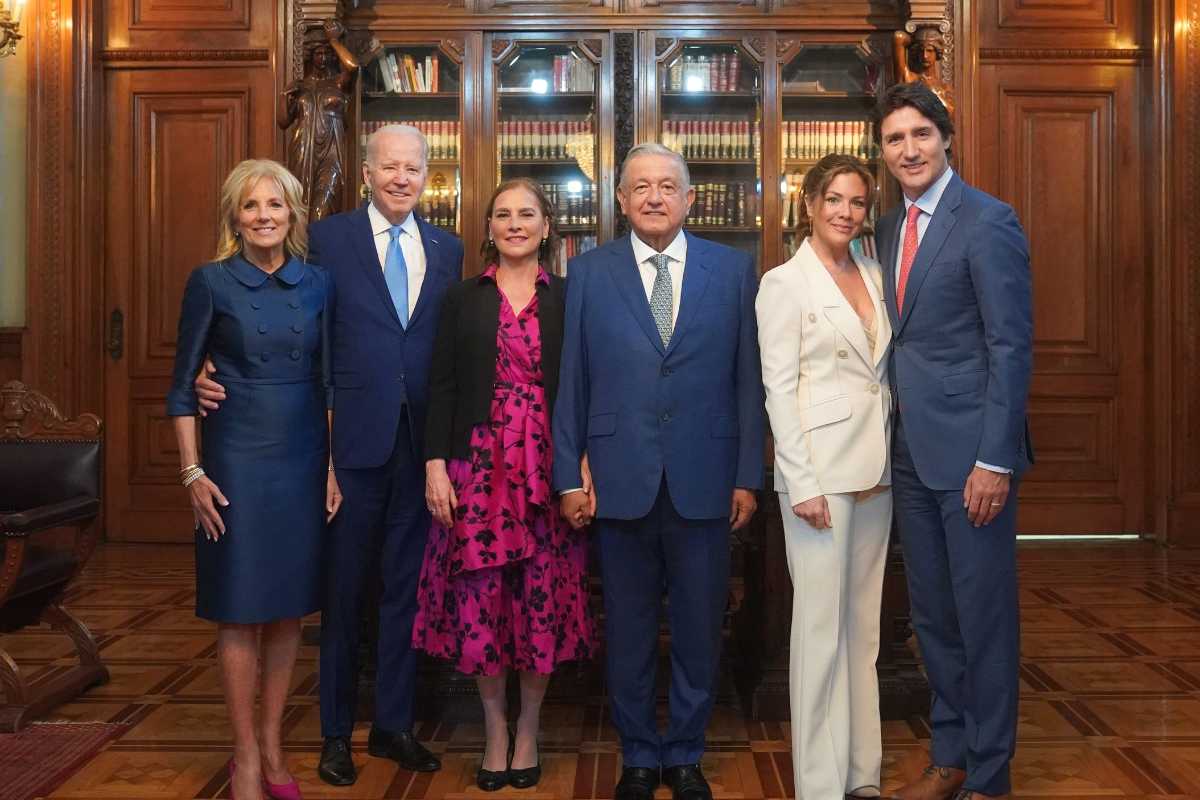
[[660, 387], [958, 291], [390, 270]]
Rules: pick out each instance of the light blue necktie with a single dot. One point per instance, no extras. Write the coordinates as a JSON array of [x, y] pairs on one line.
[[395, 272], [661, 297]]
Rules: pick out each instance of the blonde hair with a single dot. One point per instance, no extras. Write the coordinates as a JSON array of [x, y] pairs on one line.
[[238, 184]]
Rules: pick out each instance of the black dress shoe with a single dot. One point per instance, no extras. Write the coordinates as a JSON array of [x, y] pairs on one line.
[[404, 749], [336, 767], [637, 783], [491, 780], [687, 782], [526, 776]]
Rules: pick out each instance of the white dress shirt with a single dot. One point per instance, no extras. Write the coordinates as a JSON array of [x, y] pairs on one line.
[[928, 204], [410, 243], [677, 253]]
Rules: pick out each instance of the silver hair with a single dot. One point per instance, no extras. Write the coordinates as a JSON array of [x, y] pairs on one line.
[[396, 129], [656, 149]]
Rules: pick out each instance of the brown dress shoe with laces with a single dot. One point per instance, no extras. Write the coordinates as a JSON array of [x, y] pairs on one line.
[[935, 783]]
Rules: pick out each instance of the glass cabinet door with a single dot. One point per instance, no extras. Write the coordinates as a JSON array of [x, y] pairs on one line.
[[547, 102], [827, 91], [420, 85], [710, 112]]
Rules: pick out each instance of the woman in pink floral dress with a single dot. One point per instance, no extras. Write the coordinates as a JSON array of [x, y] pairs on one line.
[[504, 583]]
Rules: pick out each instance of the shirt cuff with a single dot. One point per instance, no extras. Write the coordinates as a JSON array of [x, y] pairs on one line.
[[993, 468], [566, 492]]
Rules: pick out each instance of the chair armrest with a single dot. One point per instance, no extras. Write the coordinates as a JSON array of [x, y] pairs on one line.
[[23, 523]]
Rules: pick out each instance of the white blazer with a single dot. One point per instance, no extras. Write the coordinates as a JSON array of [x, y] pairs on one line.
[[827, 393]]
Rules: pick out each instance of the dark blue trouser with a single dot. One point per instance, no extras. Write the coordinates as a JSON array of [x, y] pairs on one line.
[[962, 586], [382, 527], [639, 559]]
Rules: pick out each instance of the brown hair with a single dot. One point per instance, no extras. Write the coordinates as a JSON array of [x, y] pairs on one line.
[[548, 249], [239, 183], [915, 95], [821, 175]]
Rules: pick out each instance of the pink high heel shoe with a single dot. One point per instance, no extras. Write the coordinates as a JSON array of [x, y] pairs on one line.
[[282, 791]]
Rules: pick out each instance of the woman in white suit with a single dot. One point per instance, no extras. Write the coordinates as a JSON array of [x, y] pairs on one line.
[[824, 336]]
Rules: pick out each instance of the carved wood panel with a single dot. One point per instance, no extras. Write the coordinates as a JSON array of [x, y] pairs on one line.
[[184, 26], [173, 136], [544, 6], [695, 7], [1055, 150], [1055, 24]]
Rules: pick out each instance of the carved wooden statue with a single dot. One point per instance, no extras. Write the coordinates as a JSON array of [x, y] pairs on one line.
[[314, 108], [918, 58]]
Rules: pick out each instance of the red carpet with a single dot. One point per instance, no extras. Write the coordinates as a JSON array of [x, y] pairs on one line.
[[37, 760]]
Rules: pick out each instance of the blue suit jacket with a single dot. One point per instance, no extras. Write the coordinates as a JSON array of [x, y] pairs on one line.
[[963, 344], [378, 369], [693, 410]]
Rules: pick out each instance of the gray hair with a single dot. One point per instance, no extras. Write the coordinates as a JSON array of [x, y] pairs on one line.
[[395, 129], [656, 149]]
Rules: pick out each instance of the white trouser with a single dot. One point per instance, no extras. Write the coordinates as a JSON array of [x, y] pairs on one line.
[[837, 580]]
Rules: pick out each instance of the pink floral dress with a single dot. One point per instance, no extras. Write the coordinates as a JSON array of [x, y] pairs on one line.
[[506, 587]]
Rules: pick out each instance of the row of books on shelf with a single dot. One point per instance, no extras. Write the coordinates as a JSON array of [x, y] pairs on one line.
[[541, 137], [444, 135], [716, 72], [724, 204], [814, 138], [406, 74], [439, 208], [574, 200], [571, 245], [705, 137], [573, 74]]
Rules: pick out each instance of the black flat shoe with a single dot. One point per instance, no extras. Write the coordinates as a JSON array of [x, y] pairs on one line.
[[491, 780], [336, 766], [404, 749], [687, 782], [637, 783]]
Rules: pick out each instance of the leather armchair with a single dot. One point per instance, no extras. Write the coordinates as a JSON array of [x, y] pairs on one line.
[[50, 478]]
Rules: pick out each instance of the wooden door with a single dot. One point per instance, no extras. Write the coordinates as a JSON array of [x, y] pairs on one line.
[[1062, 149], [172, 136]]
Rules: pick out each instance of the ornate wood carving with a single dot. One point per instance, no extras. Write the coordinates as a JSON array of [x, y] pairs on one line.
[[624, 107], [500, 48], [29, 414], [594, 49], [924, 50], [1106, 54], [784, 46], [756, 46], [455, 48], [258, 54], [663, 45]]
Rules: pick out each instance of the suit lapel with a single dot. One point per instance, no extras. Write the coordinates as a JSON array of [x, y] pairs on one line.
[[628, 278], [433, 267], [890, 225], [362, 239], [836, 307], [939, 228], [696, 272]]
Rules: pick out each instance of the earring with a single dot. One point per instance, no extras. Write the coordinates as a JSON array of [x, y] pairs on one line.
[[491, 242]]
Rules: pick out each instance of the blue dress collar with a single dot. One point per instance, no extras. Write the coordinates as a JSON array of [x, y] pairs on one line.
[[249, 275]]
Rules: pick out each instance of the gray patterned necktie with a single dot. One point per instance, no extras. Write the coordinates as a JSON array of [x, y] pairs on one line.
[[661, 300]]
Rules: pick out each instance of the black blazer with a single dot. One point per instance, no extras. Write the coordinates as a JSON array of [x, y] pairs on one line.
[[463, 372]]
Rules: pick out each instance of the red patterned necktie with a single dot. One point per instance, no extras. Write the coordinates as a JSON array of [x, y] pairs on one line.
[[909, 255]]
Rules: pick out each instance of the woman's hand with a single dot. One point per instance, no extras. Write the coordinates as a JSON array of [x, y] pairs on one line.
[[333, 496], [439, 493], [205, 496], [815, 512]]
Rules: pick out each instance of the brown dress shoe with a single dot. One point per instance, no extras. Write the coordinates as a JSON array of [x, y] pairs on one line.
[[935, 783]]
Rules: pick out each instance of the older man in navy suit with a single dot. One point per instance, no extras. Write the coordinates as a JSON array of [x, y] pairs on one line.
[[958, 291], [660, 387], [390, 270]]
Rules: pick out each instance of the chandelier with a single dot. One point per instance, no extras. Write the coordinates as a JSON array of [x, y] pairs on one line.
[[10, 22]]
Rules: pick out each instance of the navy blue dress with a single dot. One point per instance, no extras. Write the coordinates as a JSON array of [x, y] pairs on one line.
[[266, 448]]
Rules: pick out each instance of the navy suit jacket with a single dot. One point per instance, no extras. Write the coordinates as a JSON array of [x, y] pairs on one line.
[[692, 410], [378, 370], [963, 343]]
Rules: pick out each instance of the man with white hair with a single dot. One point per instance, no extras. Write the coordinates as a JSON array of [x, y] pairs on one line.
[[390, 269], [660, 387]]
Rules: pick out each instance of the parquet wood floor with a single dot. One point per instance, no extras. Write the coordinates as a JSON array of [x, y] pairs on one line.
[[1110, 705]]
